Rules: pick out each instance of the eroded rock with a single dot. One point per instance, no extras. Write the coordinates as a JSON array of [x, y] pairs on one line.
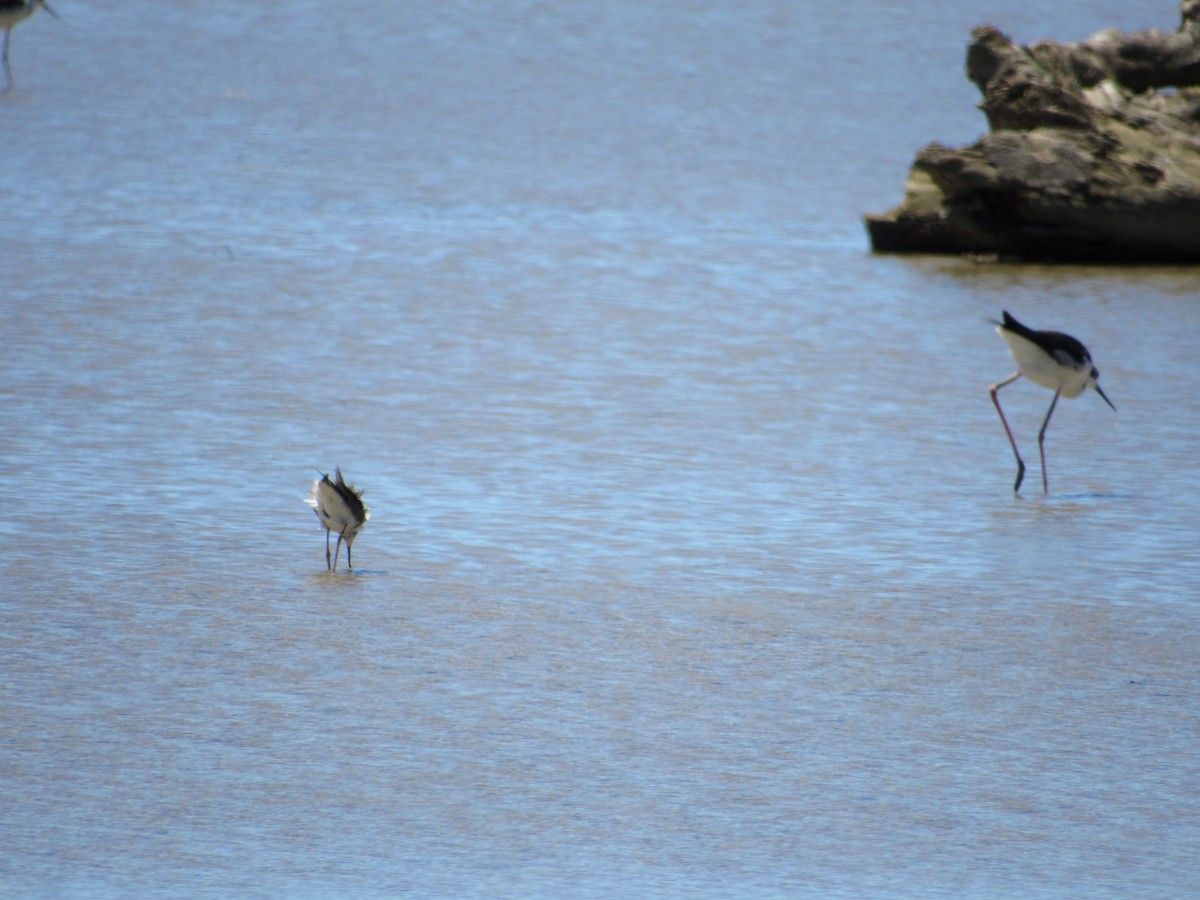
[[1094, 153]]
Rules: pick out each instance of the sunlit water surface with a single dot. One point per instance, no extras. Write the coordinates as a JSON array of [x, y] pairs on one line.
[[694, 567]]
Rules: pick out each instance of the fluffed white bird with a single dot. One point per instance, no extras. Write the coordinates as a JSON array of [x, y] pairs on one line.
[[339, 508]]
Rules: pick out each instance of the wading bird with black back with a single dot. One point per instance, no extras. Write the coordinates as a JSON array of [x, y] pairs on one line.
[[12, 14], [1052, 359], [339, 508]]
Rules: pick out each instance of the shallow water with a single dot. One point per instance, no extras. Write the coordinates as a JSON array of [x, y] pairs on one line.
[[694, 567]]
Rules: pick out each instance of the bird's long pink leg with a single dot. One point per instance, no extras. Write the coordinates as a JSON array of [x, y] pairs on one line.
[[1042, 438], [336, 550], [1017, 453]]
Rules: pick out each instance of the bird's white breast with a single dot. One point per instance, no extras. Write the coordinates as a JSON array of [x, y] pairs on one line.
[[1063, 374], [332, 510]]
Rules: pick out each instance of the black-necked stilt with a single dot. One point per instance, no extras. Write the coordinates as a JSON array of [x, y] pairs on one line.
[[1049, 358], [13, 13], [339, 507]]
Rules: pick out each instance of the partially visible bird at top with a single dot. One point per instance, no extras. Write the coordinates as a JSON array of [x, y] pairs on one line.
[[339, 508], [1052, 359], [13, 13]]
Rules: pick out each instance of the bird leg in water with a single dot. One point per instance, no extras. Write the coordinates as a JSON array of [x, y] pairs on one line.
[[1017, 453], [336, 550], [8, 79], [1042, 439]]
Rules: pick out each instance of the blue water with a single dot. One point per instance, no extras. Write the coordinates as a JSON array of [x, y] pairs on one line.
[[693, 568]]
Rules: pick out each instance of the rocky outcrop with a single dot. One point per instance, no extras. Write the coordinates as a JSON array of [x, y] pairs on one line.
[[1094, 153]]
